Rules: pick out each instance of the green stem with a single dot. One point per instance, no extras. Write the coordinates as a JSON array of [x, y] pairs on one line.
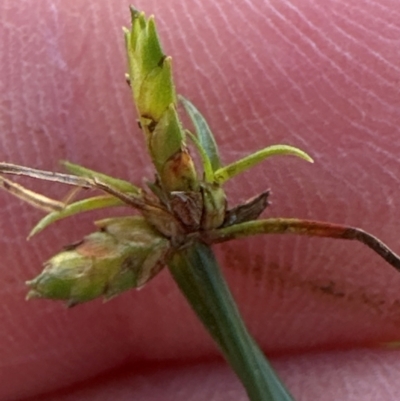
[[198, 275]]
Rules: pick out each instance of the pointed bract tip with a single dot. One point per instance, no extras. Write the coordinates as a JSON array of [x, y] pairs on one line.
[[32, 294], [134, 12]]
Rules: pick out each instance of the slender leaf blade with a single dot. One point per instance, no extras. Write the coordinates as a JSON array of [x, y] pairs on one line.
[[226, 173], [120, 185], [203, 131], [85, 205]]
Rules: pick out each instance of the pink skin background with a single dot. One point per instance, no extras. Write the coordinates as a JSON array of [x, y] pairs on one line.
[[323, 76]]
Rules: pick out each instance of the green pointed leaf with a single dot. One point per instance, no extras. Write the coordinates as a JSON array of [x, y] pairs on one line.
[[225, 173], [120, 185], [204, 134], [85, 205]]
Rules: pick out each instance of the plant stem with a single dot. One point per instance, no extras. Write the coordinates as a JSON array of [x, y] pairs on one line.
[[198, 276]]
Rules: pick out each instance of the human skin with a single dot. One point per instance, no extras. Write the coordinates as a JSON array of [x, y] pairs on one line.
[[323, 78]]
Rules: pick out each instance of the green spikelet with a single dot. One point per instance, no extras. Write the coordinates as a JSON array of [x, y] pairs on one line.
[[125, 253], [150, 77]]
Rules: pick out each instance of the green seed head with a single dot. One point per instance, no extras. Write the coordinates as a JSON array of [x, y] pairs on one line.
[[124, 254], [150, 77]]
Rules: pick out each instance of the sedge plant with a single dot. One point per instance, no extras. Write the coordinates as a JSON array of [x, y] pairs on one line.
[[175, 220]]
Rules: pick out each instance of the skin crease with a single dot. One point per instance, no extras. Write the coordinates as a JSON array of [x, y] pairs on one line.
[[321, 78]]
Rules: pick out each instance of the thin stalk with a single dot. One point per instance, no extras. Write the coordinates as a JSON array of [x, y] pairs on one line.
[[198, 276]]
